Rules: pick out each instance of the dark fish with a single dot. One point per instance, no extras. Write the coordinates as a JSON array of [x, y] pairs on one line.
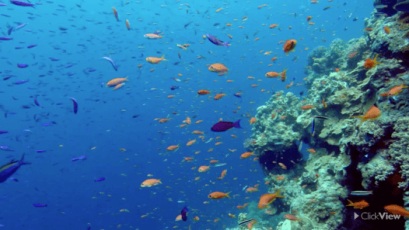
[[10, 168], [238, 94], [21, 65], [216, 41], [3, 131], [31, 46], [222, 126], [40, 205], [99, 179], [36, 102], [245, 221], [112, 62], [20, 82], [20, 3], [41, 151], [173, 87], [361, 193], [82, 157], [327, 8], [75, 105], [183, 213], [5, 148], [5, 38]]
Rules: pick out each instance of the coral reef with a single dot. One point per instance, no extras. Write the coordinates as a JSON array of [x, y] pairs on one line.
[[352, 150]]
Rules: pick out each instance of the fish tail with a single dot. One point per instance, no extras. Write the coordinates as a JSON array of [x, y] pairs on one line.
[[227, 194], [236, 124], [22, 162], [278, 194]]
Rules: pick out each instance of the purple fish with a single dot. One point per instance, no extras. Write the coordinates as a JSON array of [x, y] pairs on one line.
[[20, 3], [99, 179], [5, 148], [5, 38], [183, 213], [222, 126], [36, 102], [41, 151], [40, 205], [216, 41], [79, 158], [20, 82], [3, 131], [10, 168], [75, 105], [112, 62], [31, 46], [21, 65]]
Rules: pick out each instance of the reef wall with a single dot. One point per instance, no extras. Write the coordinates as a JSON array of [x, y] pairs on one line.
[[355, 120]]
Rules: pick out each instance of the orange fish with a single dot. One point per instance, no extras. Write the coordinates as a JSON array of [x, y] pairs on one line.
[[218, 68], [152, 36], [187, 121], [203, 168], [116, 81], [198, 132], [358, 205], [155, 60], [128, 25], [370, 63], [290, 217], [219, 96], [172, 147], [251, 224], [242, 206], [397, 210], [268, 198], [119, 86], [394, 90], [252, 120], [272, 26], [203, 92], [307, 107], [283, 75], [387, 29], [178, 217], [191, 142], [246, 155], [214, 161], [272, 74], [150, 182], [218, 195], [251, 189], [311, 150], [289, 45], [372, 114], [222, 174], [115, 13]]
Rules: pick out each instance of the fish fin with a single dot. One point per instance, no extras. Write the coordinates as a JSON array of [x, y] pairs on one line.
[[236, 124], [22, 162], [227, 194], [350, 203], [278, 194]]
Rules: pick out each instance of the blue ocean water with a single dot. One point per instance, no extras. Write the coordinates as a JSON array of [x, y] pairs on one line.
[[118, 131]]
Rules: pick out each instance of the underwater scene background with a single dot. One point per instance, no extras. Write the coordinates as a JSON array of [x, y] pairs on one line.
[[204, 114]]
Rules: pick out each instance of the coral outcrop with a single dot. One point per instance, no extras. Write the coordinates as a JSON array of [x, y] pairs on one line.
[[348, 149]]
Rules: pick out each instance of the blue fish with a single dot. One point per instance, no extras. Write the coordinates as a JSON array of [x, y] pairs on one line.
[[183, 213], [216, 41], [20, 3], [10, 168], [222, 126], [75, 105]]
